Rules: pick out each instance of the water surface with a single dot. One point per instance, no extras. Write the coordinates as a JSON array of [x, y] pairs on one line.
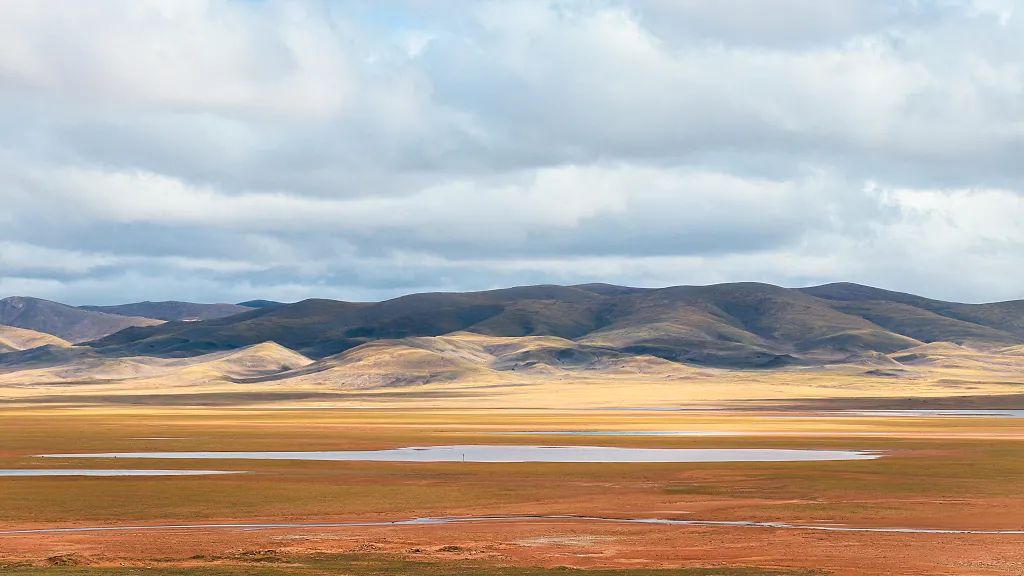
[[514, 453], [620, 433], [11, 472]]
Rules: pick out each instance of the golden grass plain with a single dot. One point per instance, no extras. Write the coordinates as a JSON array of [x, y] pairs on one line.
[[456, 371], [948, 473], [938, 472]]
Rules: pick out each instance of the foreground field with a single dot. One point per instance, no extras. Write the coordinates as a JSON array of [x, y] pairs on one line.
[[951, 473], [366, 565]]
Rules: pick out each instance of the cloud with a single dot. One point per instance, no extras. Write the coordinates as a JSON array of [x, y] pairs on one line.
[[226, 150], [584, 210], [189, 55]]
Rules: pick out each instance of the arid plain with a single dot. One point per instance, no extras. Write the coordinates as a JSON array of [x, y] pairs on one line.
[[947, 473], [899, 457]]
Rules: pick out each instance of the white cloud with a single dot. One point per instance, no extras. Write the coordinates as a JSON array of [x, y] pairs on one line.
[[222, 149], [579, 209], [16, 256], [202, 55]]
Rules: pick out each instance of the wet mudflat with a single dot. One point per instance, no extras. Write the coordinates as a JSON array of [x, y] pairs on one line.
[[450, 520], [919, 490]]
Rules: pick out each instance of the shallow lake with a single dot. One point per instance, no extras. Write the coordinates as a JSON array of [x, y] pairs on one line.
[[509, 453], [619, 433], [88, 472]]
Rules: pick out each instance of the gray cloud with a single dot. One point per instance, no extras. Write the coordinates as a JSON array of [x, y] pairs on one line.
[[226, 150]]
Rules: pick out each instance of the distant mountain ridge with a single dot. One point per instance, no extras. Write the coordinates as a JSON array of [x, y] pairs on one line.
[[67, 322], [172, 310], [744, 325], [261, 304]]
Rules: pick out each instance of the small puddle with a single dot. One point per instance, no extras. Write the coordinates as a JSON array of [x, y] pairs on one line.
[[502, 453], [619, 433], [111, 472], [444, 520]]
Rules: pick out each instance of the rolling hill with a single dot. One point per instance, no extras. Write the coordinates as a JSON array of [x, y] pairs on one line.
[[739, 325], [261, 304], [465, 357], [14, 339], [81, 365], [67, 322], [592, 345]]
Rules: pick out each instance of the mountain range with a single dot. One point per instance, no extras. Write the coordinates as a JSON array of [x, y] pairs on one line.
[[729, 325], [842, 338], [67, 322], [84, 323], [739, 325], [173, 310]]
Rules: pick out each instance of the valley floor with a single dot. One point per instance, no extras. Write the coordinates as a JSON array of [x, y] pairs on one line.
[[937, 472]]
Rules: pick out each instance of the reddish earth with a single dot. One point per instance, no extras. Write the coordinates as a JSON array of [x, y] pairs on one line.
[[568, 543], [937, 473]]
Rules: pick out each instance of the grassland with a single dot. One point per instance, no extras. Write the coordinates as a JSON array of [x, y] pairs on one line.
[[956, 473], [365, 565]]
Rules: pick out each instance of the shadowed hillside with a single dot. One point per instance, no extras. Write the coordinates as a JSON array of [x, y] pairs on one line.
[[742, 325], [931, 320], [83, 365], [67, 322], [466, 357], [14, 339], [261, 304]]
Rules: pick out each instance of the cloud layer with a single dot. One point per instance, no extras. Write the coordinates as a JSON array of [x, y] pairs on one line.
[[227, 150]]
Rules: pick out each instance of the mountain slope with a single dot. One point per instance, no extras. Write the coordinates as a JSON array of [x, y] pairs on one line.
[[172, 310], [741, 324], [67, 322], [320, 328], [82, 365], [926, 319], [313, 327], [258, 359], [464, 357], [261, 304], [738, 325], [14, 339]]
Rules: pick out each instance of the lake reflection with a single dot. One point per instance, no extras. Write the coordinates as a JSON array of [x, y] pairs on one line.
[[510, 453]]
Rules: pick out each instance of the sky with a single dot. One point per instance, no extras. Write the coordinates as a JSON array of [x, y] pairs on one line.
[[224, 150]]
